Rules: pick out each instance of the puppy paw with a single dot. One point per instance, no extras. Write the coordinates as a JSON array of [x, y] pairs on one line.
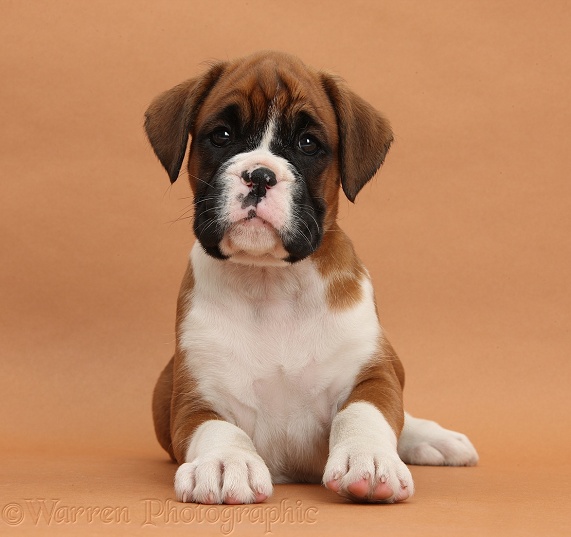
[[235, 477], [366, 474], [424, 442]]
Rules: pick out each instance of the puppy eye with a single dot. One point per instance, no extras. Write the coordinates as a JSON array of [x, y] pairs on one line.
[[221, 137], [308, 144]]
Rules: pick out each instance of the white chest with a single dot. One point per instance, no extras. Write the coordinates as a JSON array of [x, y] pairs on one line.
[[269, 355]]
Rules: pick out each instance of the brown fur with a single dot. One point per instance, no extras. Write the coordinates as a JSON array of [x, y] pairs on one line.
[[171, 116], [162, 398], [188, 410], [362, 138], [381, 384], [365, 136], [341, 268]]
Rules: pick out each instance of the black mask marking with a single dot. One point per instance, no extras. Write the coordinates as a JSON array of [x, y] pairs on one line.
[[305, 232]]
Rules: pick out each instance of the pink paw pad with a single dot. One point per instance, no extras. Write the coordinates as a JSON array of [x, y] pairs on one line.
[[382, 492], [360, 490], [333, 485], [232, 500]]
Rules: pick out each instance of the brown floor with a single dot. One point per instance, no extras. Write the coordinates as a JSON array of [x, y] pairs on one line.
[[119, 493], [465, 233]]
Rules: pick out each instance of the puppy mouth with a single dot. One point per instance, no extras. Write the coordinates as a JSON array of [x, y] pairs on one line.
[[254, 229], [254, 220], [252, 236]]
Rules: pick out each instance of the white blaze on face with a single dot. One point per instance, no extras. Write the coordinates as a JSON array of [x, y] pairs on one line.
[[268, 133], [254, 230]]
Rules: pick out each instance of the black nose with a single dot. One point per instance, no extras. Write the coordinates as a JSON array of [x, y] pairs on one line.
[[260, 180], [263, 176]]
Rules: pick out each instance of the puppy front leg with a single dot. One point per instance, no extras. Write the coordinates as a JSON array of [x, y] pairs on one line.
[[218, 461], [363, 463], [222, 466]]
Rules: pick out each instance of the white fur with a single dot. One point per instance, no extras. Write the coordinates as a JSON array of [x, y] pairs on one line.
[[364, 446], [427, 443], [259, 236], [269, 132], [222, 463], [270, 356], [276, 206]]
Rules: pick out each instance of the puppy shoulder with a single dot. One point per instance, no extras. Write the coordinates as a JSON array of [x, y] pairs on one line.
[[343, 272]]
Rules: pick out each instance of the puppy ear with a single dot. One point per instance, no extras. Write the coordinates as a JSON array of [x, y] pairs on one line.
[[364, 136], [170, 118]]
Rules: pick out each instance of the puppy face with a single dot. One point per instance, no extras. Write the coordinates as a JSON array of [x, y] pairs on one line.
[[263, 152], [271, 142]]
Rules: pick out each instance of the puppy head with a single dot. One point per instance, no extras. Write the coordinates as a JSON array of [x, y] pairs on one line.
[[272, 141]]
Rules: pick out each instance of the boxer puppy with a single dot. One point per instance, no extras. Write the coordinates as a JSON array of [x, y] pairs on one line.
[[281, 371]]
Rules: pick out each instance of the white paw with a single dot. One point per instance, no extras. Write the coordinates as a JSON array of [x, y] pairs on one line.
[[425, 442], [235, 476], [361, 472]]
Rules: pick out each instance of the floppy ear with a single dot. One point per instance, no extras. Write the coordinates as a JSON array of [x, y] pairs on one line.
[[171, 116], [364, 135]]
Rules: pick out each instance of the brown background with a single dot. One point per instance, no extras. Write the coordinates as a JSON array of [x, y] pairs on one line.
[[466, 233]]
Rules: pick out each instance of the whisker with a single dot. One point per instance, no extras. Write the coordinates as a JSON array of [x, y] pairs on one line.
[[212, 222], [311, 215], [305, 224], [207, 211], [298, 232]]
